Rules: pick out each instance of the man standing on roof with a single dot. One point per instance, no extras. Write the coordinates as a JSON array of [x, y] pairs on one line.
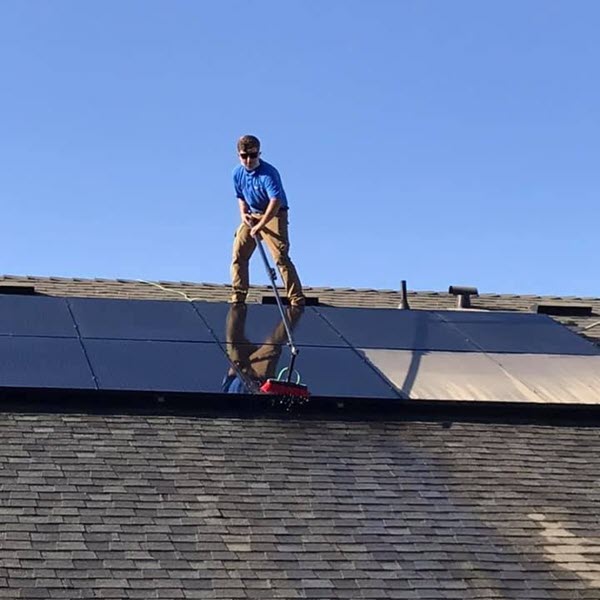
[[264, 212]]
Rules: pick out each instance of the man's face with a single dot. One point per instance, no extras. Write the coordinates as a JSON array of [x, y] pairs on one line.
[[249, 158]]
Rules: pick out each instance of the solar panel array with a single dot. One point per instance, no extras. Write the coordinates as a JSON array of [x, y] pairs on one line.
[[211, 347]]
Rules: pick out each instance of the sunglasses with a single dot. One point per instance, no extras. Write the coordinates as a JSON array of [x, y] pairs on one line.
[[245, 155]]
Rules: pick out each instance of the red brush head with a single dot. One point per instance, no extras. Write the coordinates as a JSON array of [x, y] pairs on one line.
[[282, 388]]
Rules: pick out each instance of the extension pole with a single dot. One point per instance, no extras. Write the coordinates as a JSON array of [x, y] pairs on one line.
[[271, 273]]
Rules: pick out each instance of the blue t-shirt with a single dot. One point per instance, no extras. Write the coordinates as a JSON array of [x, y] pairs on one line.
[[259, 186]]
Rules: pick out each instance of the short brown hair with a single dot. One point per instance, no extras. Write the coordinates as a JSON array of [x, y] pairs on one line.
[[248, 142]]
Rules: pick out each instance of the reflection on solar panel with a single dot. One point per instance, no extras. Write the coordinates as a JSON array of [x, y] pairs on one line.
[[161, 346], [138, 320], [455, 331], [35, 315], [259, 324], [517, 332], [157, 366], [423, 375], [490, 377], [37, 362], [392, 328], [337, 372], [556, 378]]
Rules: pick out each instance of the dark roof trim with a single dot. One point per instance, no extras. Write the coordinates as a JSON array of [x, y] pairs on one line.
[[19, 289], [564, 310], [271, 407]]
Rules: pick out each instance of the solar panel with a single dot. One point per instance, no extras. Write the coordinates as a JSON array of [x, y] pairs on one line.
[[36, 315], [260, 324], [395, 329], [524, 333], [167, 346], [424, 375], [493, 377], [44, 362], [556, 378], [138, 320], [156, 365], [202, 367], [337, 372]]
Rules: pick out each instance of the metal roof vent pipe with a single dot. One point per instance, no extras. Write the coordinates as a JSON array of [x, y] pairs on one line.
[[404, 297], [463, 295]]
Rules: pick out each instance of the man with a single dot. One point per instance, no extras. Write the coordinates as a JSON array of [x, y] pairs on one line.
[[264, 212]]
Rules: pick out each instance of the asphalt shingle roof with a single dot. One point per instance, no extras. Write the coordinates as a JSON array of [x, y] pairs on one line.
[[194, 504], [182, 507]]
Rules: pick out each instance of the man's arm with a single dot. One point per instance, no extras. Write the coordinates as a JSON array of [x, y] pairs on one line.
[[245, 213], [272, 210]]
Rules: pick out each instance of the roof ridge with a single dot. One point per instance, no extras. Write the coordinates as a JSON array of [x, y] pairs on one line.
[[224, 286]]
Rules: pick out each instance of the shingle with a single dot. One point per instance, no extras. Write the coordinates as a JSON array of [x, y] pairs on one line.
[[355, 548]]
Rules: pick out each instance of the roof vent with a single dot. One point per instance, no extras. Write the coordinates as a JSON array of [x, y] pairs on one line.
[[563, 309], [17, 289], [463, 295], [403, 299]]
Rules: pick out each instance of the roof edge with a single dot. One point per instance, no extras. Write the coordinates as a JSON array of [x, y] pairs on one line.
[[74, 280], [27, 401]]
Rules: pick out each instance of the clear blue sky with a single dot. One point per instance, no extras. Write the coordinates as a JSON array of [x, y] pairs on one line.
[[442, 142]]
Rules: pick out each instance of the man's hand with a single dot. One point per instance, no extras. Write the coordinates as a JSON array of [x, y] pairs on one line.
[[248, 219], [256, 230], [272, 210]]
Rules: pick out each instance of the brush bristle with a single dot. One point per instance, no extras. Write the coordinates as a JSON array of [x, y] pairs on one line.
[[282, 388]]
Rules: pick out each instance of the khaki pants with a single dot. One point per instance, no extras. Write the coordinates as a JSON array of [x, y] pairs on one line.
[[275, 236]]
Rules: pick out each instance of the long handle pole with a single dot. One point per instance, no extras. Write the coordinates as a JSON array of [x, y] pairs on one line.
[[272, 277]]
